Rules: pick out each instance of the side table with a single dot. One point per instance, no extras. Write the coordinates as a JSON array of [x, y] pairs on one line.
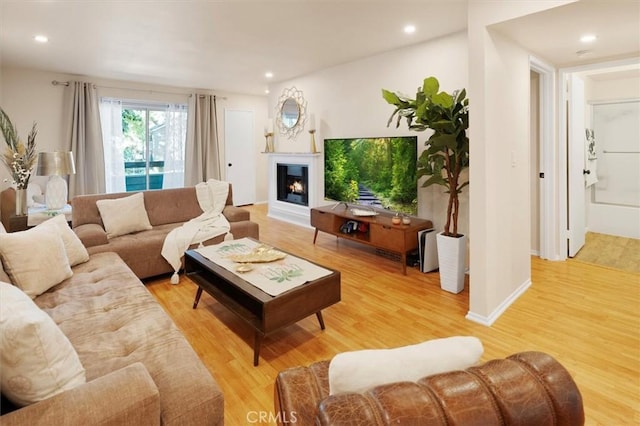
[[17, 223], [39, 213], [36, 215]]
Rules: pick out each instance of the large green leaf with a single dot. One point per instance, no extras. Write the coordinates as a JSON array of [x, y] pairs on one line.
[[430, 86], [435, 180], [390, 97], [443, 99], [443, 140]]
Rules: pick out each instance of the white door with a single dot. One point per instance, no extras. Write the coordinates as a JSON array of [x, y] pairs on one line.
[[240, 155], [576, 157]]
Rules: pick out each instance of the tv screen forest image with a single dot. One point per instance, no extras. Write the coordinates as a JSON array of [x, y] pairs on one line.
[[379, 172]]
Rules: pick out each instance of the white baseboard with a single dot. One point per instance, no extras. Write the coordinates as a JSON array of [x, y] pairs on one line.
[[488, 321]]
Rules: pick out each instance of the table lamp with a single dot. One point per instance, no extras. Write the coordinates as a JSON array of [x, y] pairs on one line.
[[56, 164]]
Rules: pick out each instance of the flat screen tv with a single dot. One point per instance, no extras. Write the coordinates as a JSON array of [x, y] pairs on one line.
[[379, 172]]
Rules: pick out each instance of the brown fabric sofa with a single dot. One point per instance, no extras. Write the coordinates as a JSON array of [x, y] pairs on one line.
[[528, 388], [140, 369], [167, 209]]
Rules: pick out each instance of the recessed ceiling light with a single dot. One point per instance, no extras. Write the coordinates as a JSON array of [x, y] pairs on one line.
[[41, 38], [266, 91], [588, 38], [410, 29], [268, 74]]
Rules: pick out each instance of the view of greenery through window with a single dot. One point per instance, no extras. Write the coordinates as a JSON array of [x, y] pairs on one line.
[[147, 149]]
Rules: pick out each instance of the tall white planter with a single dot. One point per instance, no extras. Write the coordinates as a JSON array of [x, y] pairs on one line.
[[452, 253]]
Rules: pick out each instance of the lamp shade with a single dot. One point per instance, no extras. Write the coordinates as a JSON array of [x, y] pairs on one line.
[[56, 163]]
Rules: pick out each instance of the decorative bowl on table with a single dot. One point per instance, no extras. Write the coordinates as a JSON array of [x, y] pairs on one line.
[[260, 254]]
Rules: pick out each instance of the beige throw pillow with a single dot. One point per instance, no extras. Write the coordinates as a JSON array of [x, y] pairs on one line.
[[37, 360], [358, 371], [34, 259], [75, 250], [125, 215]]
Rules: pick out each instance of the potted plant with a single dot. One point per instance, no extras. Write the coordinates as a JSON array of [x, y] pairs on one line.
[[446, 156]]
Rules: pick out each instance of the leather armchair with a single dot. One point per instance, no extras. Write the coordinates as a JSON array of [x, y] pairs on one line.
[[528, 388]]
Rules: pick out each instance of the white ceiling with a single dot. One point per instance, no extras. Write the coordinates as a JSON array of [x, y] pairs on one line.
[[554, 34], [229, 45]]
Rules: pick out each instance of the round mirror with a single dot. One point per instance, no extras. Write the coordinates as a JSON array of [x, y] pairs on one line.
[[290, 113]]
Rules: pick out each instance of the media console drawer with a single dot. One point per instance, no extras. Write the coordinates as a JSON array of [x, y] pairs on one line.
[[322, 220], [381, 232], [388, 237]]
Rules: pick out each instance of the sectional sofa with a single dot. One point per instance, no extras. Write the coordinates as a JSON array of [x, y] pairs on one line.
[[134, 365]]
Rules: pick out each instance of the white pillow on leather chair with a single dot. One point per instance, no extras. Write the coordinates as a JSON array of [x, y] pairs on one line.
[[358, 371]]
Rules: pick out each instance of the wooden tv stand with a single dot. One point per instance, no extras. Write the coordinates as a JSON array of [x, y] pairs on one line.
[[380, 233]]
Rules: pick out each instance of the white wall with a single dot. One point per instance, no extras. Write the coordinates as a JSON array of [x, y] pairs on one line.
[[499, 84], [347, 102], [610, 218], [28, 96]]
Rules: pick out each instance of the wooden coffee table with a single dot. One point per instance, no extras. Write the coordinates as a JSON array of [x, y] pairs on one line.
[[263, 312]]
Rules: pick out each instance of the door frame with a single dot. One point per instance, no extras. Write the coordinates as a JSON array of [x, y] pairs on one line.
[[549, 212]]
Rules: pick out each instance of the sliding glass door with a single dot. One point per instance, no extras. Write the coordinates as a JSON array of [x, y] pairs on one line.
[[146, 149]]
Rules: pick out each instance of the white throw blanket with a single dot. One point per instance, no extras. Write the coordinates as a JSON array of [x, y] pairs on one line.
[[212, 196]]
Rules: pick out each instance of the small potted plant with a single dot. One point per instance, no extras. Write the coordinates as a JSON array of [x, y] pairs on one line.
[[446, 156]]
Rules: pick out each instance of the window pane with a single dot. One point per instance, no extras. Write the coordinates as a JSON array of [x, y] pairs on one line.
[[151, 151]]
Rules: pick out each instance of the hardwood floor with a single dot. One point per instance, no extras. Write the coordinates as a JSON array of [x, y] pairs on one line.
[[586, 316]]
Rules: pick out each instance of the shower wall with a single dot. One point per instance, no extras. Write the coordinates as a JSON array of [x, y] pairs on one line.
[[614, 200]]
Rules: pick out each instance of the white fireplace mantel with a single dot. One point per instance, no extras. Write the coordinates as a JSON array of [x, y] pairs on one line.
[[290, 212]]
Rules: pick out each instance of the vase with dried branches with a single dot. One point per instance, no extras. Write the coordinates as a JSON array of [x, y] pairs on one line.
[[18, 157]]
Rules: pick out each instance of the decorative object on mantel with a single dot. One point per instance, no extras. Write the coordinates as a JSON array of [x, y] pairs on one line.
[[291, 112], [312, 131], [268, 135], [19, 159], [55, 165], [446, 156]]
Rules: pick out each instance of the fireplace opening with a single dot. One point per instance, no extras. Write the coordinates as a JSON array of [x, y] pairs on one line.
[[293, 183]]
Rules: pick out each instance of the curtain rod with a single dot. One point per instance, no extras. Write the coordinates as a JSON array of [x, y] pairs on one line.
[[66, 83]]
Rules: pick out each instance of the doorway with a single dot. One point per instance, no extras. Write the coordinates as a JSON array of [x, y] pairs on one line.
[[544, 212], [240, 155], [604, 81]]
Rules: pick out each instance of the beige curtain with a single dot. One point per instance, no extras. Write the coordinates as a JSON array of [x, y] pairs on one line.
[[84, 138], [202, 160]]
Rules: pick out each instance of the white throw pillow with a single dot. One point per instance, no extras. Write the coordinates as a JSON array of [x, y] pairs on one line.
[[124, 215], [37, 360], [35, 259], [76, 251], [358, 371]]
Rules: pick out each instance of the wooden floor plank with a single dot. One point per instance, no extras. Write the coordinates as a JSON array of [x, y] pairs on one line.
[[585, 315]]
